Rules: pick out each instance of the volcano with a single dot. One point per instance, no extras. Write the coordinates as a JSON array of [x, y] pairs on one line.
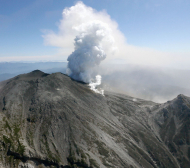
[[51, 120]]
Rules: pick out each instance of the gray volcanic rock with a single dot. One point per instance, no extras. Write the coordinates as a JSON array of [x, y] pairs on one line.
[[54, 121], [173, 122]]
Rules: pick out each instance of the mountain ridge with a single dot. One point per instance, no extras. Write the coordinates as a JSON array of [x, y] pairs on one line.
[[52, 120]]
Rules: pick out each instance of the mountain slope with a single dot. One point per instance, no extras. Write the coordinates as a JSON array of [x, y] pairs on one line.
[[172, 120], [52, 120]]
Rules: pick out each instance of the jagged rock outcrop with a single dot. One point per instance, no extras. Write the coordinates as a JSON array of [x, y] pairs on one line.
[[172, 120], [54, 121]]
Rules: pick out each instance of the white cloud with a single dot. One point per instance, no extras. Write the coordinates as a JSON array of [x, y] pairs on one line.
[[80, 13]]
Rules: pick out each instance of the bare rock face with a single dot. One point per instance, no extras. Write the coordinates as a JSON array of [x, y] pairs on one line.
[[54, 121], [173, 122]]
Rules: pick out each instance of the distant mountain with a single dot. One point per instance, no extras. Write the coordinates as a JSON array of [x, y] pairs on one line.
[[50, 120]]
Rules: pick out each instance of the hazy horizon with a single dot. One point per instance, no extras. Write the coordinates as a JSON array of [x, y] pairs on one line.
[[156, 84]]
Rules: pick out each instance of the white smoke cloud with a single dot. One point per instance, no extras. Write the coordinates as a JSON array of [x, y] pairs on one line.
[[80, 14], [89, 50], [76, 17], [93, 85], [93, 39]]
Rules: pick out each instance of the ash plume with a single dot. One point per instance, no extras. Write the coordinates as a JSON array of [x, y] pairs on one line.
[[96, 83], [93, 34], [89, 50], [91, 42]]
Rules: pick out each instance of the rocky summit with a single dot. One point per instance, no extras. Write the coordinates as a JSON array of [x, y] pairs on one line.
[[50, 120]]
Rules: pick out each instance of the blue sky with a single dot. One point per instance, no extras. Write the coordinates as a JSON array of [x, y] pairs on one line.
[[161, 25]]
